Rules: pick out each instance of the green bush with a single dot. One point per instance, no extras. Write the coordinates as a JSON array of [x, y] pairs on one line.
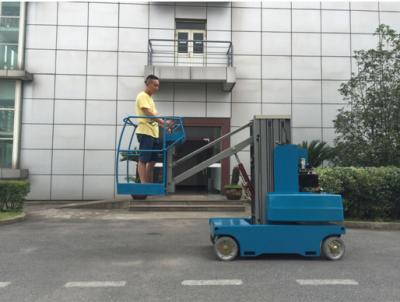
[[368, 193], [12, 194]]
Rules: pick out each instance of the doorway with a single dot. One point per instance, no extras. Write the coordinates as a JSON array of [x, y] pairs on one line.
[[190, 36], [199, 132]]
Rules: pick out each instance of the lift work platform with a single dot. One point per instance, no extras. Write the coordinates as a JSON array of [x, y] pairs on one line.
[[285, 217]]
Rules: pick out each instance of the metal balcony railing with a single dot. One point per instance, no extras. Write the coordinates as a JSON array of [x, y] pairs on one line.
[[8, 56], [9, 27], [190, 53], [9, 22]]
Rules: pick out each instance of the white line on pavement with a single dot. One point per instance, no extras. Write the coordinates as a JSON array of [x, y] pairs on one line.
[[327, 282], [96, 284], [212, 282], [4, 284]]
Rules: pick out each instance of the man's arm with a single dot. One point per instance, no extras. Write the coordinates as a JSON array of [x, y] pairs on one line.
[[160, 121]]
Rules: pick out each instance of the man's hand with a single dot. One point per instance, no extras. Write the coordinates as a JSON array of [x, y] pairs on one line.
[[169, 124]]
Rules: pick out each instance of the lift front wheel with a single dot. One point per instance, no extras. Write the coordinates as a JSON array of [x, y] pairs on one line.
[[333, 248], [226, 248]]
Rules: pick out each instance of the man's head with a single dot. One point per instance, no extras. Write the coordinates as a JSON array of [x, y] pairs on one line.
[[152, 84]]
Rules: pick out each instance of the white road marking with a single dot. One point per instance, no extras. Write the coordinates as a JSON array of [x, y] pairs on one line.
[[4, 284], [212, 282], [327, 282], [128, 263], [96, 284], [29, 250]]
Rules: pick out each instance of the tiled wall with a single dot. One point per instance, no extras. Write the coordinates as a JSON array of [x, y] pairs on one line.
[[88, 61]]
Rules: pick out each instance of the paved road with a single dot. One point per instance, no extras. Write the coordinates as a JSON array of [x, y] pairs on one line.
[[89, 259]]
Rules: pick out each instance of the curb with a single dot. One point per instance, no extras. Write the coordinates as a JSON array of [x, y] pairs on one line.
[[372, 225], [97, 204], [16, 219]]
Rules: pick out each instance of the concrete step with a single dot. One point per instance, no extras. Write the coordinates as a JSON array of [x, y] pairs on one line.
[[102, 204], [174, 207]]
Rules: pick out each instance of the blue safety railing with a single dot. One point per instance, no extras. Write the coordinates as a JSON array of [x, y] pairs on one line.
[[126, 182]]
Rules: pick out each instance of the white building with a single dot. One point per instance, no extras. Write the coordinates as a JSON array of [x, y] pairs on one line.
[[87, 61]]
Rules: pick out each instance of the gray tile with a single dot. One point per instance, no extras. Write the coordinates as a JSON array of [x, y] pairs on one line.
[[162, 16], [71, 62], [103, 14], [133, 15], [99, 162], [72, 13], [98, 187], [336, 45], [68, 136], [66, 187], [276, 67], [39, 36], [336, 21], [276, 20], [69, 37], [101, 87], [69, 112], [306, 20], [42, 13], [37, 111], [36, 136], [67, 162], [364, 22], [102, 63], [100, 137], [70, 87], [100, 112], [246, 19], [103, 38]]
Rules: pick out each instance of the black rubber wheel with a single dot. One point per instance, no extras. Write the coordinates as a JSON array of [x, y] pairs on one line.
[[333, 248], [226, 248]]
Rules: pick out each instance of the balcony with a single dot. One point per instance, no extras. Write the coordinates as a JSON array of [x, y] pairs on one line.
[[195, 61], [9, 63], [9, 23], [9, 32]]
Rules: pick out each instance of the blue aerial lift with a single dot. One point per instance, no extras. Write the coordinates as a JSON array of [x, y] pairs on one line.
[[285, 218]]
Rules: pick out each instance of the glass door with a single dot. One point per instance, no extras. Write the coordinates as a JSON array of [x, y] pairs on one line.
[[190, 47]]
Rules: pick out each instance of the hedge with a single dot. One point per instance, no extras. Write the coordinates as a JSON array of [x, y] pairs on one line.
[[368, 193], [12, 194]]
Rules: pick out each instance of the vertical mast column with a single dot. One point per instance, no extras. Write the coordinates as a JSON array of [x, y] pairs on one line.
[[267, 132]]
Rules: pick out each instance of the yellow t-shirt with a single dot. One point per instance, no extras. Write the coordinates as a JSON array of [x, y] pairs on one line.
[[146, 125]]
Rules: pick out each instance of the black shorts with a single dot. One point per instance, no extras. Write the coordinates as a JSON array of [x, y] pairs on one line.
[[147, 142]]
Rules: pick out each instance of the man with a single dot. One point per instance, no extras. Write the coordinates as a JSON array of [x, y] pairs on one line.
[[147, 130]]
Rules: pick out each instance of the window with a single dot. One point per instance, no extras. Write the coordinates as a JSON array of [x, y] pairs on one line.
[[198, 44], [9, 27], [190, 39], [9, 32], [183, 38], [7, 96]]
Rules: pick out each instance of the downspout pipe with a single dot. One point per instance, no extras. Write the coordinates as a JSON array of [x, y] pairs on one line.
[[18, 89]]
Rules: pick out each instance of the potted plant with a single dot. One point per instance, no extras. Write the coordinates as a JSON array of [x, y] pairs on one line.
[[234, 191]]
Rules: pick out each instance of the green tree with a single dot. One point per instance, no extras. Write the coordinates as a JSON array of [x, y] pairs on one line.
[[369, 127], [317, 152]]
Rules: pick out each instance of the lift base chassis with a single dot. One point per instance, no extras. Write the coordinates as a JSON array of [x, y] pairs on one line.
[[290, 238]]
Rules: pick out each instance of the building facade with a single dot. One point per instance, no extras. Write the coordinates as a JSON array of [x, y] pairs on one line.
[[88, 62]]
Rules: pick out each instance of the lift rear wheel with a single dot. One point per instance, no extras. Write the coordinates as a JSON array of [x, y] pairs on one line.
[[333, 248], [226, 248]]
